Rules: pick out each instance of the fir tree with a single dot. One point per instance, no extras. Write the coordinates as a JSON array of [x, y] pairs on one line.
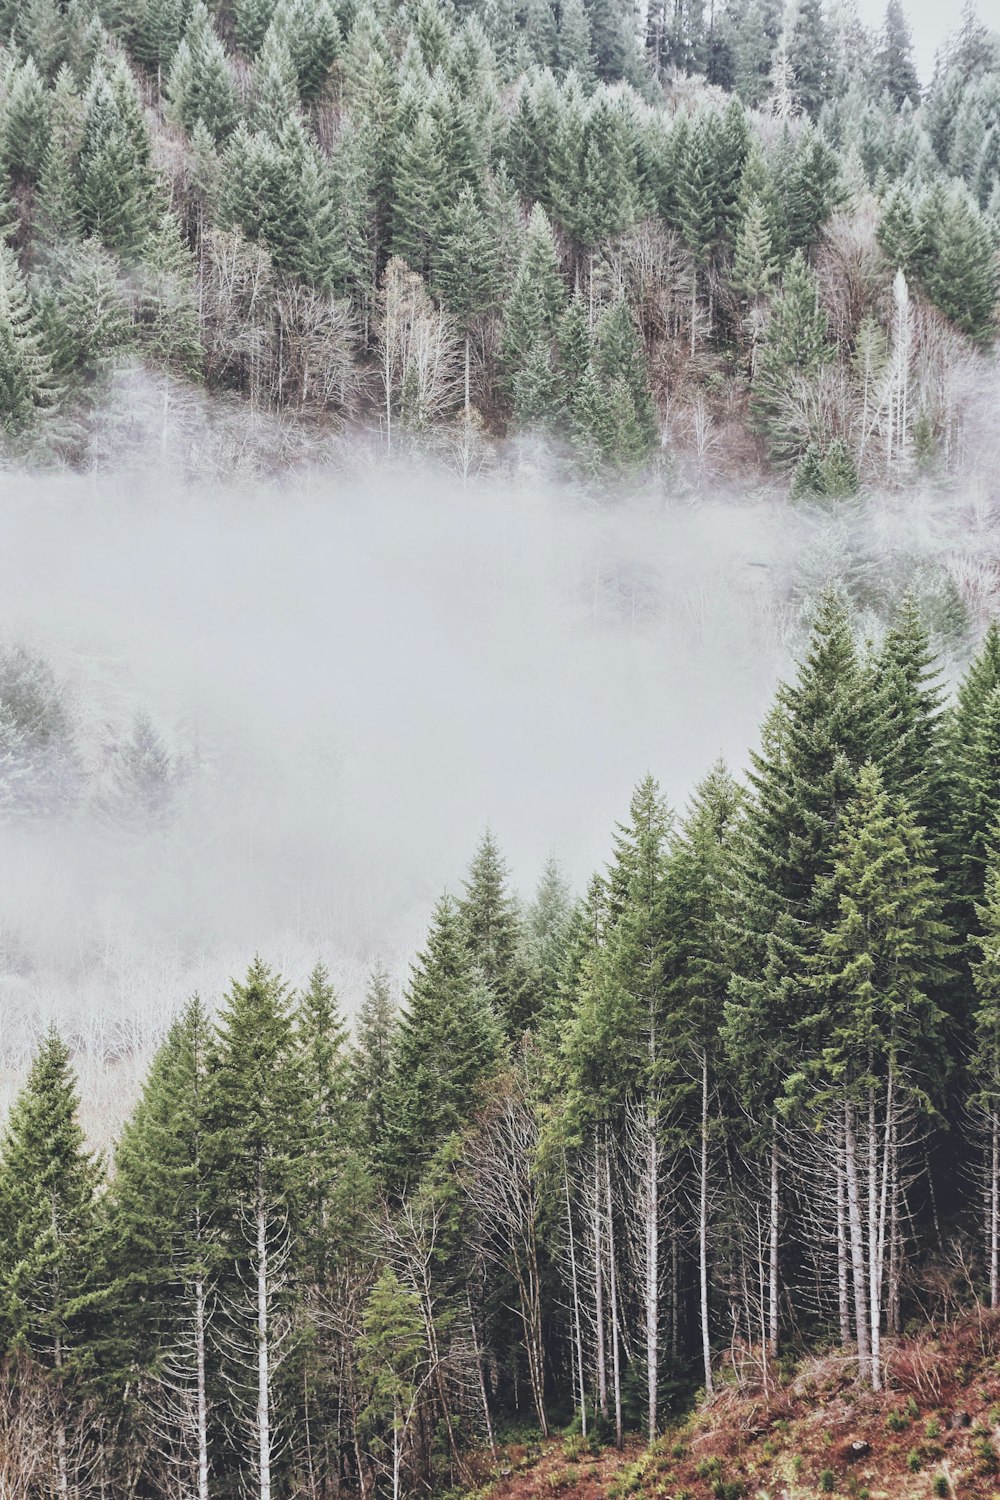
[[537, 296], [371, 1059], [27, 385], [448, 1040], [895, 58], [49, 1266]]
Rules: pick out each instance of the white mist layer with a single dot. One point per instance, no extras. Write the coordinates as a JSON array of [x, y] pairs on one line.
[[362, 674]]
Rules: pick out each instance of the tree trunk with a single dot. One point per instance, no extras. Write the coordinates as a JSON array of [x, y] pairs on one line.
[[856, 1239], [874, 1254], [706, 1341], [613, 1288], [202, 1416], [577, 1321], [774, 1280], [652, 1270], [843, 1296], [994, 1226], [602, 1363], [482, 1375], [263, 1359]]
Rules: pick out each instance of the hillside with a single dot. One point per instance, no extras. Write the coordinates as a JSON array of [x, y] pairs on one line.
[[744, 244], [934, 1431]]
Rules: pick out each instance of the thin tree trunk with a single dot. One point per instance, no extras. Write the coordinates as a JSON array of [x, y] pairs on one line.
[[482, 1375], [613, 1287], [774, 1278], [706, 1341], [994, 1226], [857, 1239], [874, 1257], [602, 1364], [62, 1470], [843, 1298], [577, 1321], [199, 1344], [263, 1358], [652, 1270]]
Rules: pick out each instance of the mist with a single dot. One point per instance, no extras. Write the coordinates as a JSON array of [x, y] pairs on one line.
[[355, 674]]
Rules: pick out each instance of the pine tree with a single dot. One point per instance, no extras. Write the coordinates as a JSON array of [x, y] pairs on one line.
[[200, 86], [27, 386], [813, 745], [794, 347], [56, 216], [985, 1071], [808, 51], [253, 17], [537, 296], [116, 186], [448, 1040], [323, 1059], [311, 32], [573, 45], [880, 958], [275, 85], [49, 1187], [142, 780], [491, 923], [619, 355], [895, 58], [371, 1059], [164, 1243], [24, 123], [260, 1118]]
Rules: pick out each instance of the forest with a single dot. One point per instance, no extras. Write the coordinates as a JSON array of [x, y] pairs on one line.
[[739, 1100], [720, 240]]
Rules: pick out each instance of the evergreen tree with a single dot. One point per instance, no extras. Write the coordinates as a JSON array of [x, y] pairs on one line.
[[371, 1059], [49, 1267], [448, 1040], [794, 347], [27, 385], [200, 86], [808, 53], [116, 186], [537, 296], [491, 923], [162, 1228], [898, 76], [24, 123]]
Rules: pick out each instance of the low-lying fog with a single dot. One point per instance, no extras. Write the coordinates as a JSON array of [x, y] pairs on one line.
[[354, 677]]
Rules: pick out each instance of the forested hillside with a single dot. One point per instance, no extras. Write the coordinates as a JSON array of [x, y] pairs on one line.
[[737, 238], [739, 1100]]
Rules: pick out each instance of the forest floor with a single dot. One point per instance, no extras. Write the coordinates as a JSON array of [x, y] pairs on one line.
[[934, 1431]]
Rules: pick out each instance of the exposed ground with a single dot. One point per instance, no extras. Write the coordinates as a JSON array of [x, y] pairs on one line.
[[935, 1431]]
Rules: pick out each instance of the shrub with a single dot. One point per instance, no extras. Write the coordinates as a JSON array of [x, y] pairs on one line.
[[941, 1486], [827, 1481], [914, 1462], [897, 1421]]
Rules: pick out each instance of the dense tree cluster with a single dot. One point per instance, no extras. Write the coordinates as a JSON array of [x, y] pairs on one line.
[[463, 219], [742, 1097]]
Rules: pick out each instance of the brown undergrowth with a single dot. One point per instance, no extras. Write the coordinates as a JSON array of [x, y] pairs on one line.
[[933, 1432]]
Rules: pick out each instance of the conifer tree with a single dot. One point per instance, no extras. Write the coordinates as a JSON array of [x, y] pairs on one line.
[[794, 346], [116, 187], [448, 1040], [491, 923], [895, 58], [371, 1059], [24, 123], [879, 960], [259, 1120], [200, 86], [985, 1072], [27, 386], [49, 1186], [537, 296], [164, 1242]]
